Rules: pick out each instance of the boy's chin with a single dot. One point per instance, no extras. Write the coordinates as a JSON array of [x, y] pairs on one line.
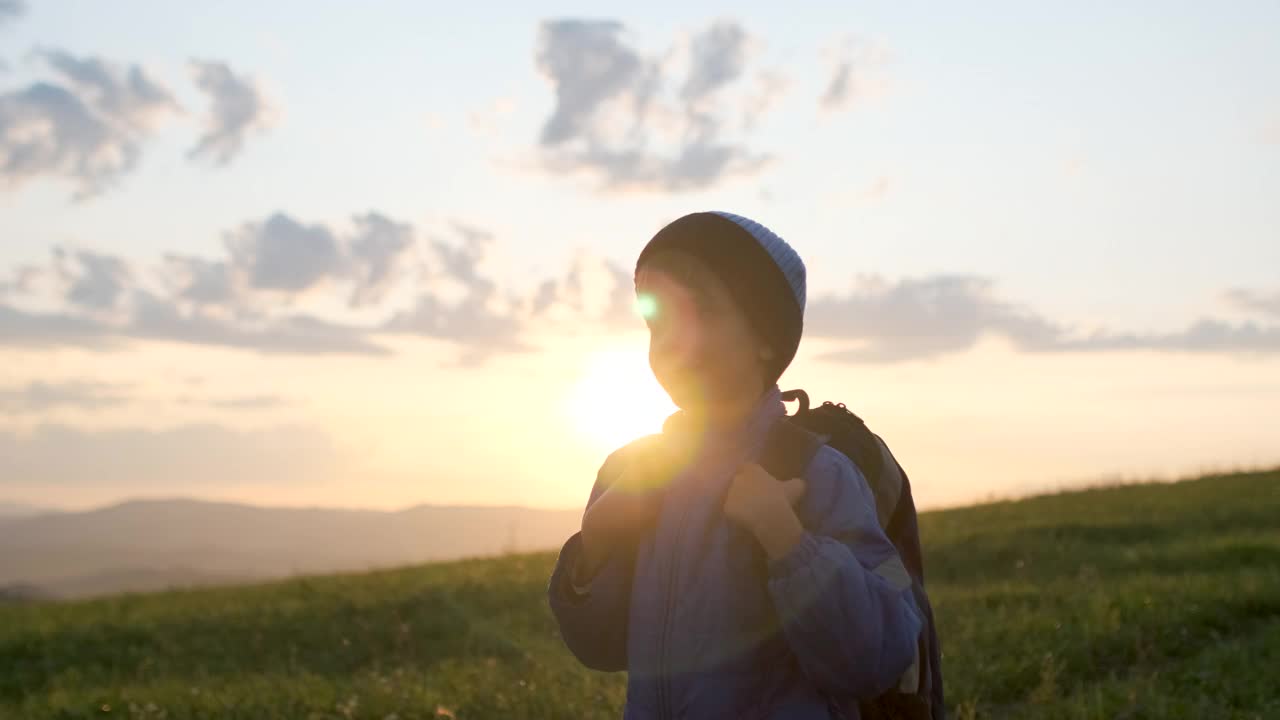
[[685, 394], [696, 396]]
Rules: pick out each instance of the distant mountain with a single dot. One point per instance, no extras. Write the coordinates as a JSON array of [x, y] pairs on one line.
[[15, 509], [153, 544], [11, 511]]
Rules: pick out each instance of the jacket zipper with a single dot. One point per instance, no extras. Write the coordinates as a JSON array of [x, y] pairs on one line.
[[664, 675]]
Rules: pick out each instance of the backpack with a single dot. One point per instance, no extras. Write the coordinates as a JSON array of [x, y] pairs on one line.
[[787, 452]]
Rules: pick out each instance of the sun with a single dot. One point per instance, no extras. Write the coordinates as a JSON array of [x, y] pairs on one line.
[[617, 399]]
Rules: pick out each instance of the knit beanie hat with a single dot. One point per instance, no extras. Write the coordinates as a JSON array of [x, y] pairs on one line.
[[763, 274]]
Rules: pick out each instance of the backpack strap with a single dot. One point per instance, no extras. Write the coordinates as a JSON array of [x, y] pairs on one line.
[[796, 438], [789, 448], [888, 485]]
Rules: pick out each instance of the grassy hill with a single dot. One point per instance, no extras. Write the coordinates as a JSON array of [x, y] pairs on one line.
[[1147, 601]]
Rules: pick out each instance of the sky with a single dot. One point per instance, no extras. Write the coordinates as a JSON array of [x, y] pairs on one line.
[[380, 254]]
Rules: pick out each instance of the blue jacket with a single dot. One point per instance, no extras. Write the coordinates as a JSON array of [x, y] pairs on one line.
[[707, 627]]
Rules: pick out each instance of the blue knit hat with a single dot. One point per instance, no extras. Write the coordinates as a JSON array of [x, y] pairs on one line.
[[764, 275], [783, 255]]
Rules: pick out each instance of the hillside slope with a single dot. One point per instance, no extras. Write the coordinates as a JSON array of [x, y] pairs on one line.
[[1146, 601]]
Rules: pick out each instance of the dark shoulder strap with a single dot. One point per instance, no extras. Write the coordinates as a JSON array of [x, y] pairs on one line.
[[788, 449], [888, 485]]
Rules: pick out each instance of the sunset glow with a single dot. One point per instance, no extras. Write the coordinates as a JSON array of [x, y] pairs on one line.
[[617, 399], [240, 266]]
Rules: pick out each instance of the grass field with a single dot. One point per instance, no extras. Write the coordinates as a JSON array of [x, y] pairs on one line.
[[1144, 601]]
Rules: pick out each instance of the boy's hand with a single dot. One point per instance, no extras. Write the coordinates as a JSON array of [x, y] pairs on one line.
[[628, 508], [762, 505]]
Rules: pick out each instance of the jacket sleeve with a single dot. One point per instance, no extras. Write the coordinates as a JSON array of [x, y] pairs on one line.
[[593, 620], [842, 594]]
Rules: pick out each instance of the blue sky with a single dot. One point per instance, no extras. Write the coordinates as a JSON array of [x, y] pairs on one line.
[[1082, 179], [1158, 109]]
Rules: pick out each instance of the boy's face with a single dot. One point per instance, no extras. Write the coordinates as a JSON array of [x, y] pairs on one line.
[[702, 350]]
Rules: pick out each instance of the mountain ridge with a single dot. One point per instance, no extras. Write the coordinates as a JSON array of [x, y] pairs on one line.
[[140, 540]]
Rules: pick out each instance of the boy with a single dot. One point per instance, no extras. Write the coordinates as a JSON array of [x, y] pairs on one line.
[[722, 591]]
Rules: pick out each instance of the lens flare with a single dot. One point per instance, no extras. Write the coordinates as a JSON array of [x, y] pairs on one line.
[[647, 306]]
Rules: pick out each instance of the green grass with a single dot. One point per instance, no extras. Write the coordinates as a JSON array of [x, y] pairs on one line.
[[1145, 601]]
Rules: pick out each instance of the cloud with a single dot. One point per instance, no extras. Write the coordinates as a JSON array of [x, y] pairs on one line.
[[256, 296], [106, 303], [238, 106], [22, 280], [129, 95], [97, 282], [199, 281], [461, 261], [286, 258], [594, 292], [612, 121], [40, 396], [719, 56], [251, 402], [926, 318], [1266, 304], [208, 455], [243, 402], [157, 319], [21, 328], [921, 318], [473, 322], [283, 254], [89, 122], [839, 89], [621, 308], [88, 128], [376, 253], [103, 302], [588, 65], [11, 10], [1204, 336], [855, 75], [480, 321]]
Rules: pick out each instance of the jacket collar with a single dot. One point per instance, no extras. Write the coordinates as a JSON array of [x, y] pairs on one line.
[[747, 432]]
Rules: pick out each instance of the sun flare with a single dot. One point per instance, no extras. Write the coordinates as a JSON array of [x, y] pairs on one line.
[[617, 399]]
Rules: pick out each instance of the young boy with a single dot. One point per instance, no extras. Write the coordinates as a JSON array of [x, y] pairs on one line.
[[722, 591]]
